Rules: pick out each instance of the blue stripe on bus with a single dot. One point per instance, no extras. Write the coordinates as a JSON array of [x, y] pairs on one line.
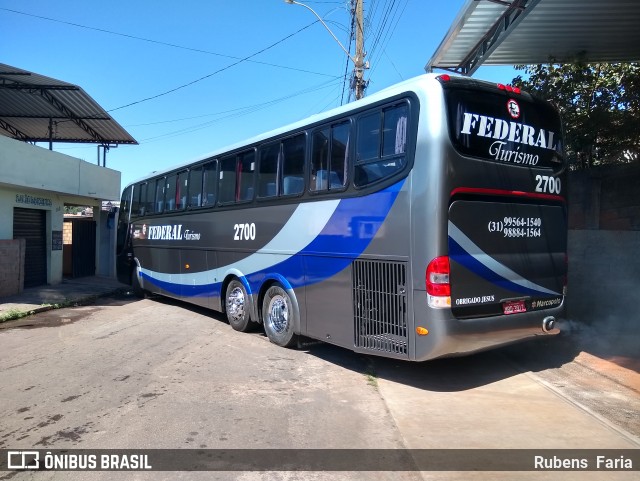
[[326, 255], [458, 254]]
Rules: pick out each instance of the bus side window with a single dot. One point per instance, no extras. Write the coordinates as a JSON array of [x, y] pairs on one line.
[[339, 155], [227, 183], [368, 146], [170, 193], [395, 130], [246, 174], [149, 196], [136, 207], [320, 160], [389, 148], [181, 190], [209, 183], [293, 152], [268, 174], [195, 187], [159, 198], [329, 158]]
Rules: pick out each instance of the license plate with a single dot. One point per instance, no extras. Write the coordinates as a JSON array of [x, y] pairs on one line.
[[514, 307]]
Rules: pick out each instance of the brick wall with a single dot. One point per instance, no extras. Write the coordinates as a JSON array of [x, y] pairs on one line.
[[12, 266]]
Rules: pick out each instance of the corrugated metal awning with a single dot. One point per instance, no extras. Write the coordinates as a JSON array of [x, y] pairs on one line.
[[516, 32], [35, 108]]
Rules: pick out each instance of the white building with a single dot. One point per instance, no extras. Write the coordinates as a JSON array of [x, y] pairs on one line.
[[36, 183]]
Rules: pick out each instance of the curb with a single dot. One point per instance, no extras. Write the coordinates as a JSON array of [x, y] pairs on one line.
[[20, 313]]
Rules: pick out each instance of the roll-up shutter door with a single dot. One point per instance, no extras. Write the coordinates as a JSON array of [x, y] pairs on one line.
[[31, 224]]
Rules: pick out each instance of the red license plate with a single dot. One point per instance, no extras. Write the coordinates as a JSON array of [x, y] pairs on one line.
[[514, 307]]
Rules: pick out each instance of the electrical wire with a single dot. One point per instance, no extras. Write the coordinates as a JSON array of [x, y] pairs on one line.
[[234, 113], [160, 42], [188, 84]]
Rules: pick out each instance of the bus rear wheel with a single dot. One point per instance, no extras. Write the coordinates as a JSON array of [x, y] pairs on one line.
[[237, 307], [279, 317]]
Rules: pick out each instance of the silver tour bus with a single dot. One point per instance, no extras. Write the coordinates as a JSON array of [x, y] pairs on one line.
[[427, 220]]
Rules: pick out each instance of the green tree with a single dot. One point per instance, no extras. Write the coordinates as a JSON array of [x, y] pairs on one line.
[[599, 104]]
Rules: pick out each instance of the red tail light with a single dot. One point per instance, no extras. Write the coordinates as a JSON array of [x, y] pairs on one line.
[[437, 277]]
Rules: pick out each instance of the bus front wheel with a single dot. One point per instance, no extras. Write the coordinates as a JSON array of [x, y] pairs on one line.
[[279, 317]]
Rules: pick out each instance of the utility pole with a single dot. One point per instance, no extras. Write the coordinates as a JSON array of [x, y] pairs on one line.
[[359, 83]]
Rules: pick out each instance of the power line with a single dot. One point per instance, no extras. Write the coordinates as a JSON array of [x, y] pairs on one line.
[[188, 84], [234, 113], [389, 35], [160, 42]]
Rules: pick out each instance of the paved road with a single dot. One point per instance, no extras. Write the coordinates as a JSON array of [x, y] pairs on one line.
[[159, 374]]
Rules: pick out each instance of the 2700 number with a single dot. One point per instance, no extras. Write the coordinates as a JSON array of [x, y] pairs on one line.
[[244, 232], [545, 183]]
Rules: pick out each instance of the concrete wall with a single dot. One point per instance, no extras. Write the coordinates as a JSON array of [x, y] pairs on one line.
[[604, 278], [24, 165], [605, 198], [604, 248], [12, 266]]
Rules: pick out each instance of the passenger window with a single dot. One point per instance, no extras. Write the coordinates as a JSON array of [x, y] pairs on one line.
[[195, 187], [237, 174], [209, 183], [320, 160], [170, 193], [149, 196], [246, 173], [390, 149], [182, 185], [268, 176], [368, 137], [159, 198], [293, 152], [227, 185], [329, 161], [395, 130], [282, 167], [136, 205], [146, 198]]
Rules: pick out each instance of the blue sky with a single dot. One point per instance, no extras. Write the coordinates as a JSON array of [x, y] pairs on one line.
[[123, 52]]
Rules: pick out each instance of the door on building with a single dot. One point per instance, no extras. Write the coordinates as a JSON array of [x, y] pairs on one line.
[[79, 251], [31, 224]]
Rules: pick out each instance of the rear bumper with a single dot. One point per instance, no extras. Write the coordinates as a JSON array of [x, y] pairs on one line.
[[449, 336]]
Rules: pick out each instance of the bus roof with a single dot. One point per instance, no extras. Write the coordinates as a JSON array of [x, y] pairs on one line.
[[405, 86], [414, 84]]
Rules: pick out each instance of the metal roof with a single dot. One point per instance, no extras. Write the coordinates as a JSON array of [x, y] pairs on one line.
[[520, 32], [30, 104]]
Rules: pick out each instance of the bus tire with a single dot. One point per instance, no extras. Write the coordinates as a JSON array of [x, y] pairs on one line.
[[279, 317], [237, 306]]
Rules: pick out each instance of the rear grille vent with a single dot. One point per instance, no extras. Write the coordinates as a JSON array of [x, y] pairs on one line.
[[380, 306]]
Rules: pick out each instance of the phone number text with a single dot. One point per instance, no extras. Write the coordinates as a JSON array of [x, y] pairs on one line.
[[517, 226]]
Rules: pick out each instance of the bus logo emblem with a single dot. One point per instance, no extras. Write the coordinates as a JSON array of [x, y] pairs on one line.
[[513, 108]]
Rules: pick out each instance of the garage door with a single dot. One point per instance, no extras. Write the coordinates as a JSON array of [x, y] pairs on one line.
[[31, 224]]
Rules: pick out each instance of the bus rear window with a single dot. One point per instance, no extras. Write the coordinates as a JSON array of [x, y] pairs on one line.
[[509, 129]]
